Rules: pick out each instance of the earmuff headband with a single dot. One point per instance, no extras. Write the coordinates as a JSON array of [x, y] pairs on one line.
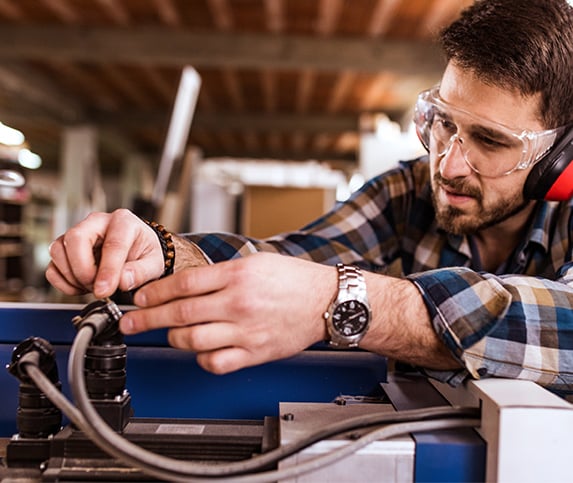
[[551, 178]]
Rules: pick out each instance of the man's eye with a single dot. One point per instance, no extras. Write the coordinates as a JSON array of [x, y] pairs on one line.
[[444, 125], [489, 142]]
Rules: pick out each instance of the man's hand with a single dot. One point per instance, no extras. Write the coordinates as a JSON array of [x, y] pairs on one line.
[[238, 313], [105, 252]]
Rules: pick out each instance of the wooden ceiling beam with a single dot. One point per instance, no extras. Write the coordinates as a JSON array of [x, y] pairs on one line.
[[328, 16], [382, 16], [283, 155], [155, 78], [304, 91], [116, 11], [168, 12], [163, 46], [256, 122], [269, 88], [233, 89], [63, 10], [88, 83], [274, 12], [235, 121], [36, 98], [127, 88], [221, 13], [25, 84], [442, 14], [341, 90], [379, 85], [11, 10]]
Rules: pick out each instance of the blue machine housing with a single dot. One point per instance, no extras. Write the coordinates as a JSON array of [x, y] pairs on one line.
[[168, 383]]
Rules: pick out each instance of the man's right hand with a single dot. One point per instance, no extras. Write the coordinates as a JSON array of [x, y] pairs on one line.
[[104, 252]]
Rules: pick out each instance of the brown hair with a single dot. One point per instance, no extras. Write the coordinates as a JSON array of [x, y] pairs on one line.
[[522, 45]]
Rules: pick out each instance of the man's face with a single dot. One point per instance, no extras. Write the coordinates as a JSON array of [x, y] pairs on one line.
[[466, 202]]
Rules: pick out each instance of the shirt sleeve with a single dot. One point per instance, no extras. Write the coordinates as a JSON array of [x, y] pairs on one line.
[[364, 230], [510, 326]]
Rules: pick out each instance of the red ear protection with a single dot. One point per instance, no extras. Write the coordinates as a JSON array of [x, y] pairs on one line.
[[552, 176]]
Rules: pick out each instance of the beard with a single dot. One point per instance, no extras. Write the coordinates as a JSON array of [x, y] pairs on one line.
[[458, 222]]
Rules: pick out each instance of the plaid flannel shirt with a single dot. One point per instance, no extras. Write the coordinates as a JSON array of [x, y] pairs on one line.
[[517, 323]]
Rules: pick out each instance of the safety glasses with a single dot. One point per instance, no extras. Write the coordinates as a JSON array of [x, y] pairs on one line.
[[489, 148]]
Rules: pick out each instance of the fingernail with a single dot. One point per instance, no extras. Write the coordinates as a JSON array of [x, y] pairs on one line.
[[140, 298], [101, 287], [130, 279], [126, 325]]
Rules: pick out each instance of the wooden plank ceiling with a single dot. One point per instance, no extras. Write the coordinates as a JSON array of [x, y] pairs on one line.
[[282, 79]]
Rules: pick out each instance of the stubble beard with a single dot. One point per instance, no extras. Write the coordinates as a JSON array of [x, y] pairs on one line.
[[456, 221]]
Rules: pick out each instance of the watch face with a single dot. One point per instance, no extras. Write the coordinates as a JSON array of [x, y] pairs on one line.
[[350, 318]]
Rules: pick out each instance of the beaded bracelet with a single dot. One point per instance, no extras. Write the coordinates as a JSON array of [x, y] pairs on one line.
[[167, 246]]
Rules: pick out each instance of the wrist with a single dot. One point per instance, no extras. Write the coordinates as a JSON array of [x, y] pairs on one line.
[[188, 254], [167, 246], [348, 316]]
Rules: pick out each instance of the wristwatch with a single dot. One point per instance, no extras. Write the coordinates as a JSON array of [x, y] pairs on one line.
[[348, 315]]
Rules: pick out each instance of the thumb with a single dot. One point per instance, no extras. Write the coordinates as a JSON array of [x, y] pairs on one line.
[[138, 272]]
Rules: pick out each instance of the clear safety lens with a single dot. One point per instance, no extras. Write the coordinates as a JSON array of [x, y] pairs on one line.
[[489, 148]]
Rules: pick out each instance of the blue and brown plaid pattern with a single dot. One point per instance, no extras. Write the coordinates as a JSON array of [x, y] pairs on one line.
[[517, 323]]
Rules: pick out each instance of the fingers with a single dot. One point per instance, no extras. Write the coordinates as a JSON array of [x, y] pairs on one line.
[[177, 313], [185, 283], [63, 283], [131, 254], [75, 254], [226, 360], [104, 252], [218, 347], [62, 273], [194, 326], [59, 271], [203, 337], [237, 313], [118, 238]]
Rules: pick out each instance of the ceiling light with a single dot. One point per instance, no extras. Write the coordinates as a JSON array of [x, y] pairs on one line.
[[11, 178], [10, 136], [28, 159]]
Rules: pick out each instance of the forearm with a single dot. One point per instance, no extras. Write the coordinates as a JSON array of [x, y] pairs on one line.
[[512, 326], [306, 245], [188, 254], [358, 232], [401, 327]]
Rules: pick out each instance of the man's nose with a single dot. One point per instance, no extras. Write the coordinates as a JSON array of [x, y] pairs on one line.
[[453, 163]]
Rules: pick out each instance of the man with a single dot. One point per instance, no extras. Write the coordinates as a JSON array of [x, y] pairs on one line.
[[487, 285]]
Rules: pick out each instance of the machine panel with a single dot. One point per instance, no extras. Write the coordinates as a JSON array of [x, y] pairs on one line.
[[175, 409]]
